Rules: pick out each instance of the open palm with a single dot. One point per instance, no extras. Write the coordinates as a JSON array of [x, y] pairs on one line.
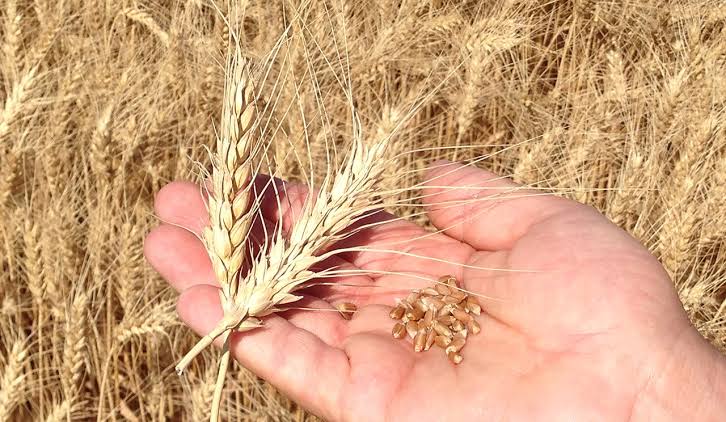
[[579, 319]]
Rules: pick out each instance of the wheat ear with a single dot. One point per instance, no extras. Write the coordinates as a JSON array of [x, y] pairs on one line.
[[230, 216]]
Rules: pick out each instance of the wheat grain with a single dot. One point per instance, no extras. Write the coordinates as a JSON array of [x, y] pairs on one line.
[[397, 312], [454, 357], [346, 309], [399, 330]]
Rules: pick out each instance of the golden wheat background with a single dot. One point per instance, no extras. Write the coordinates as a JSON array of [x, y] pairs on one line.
[[617, 104]]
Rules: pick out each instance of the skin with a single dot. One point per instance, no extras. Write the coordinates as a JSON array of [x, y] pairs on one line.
[[581, 322]]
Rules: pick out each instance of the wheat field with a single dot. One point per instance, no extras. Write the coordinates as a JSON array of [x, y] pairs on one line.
[[620, 105]]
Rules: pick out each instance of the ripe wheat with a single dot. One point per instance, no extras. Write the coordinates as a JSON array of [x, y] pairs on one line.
[[101, 105]]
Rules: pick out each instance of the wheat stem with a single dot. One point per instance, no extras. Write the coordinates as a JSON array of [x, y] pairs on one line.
[[221, 375]]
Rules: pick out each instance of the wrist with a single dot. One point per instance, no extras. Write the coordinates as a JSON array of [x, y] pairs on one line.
[[689, 385]]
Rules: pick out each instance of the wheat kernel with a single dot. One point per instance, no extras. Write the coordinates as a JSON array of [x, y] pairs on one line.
[[430, 291], [446, 319], [346, 309], [441, 329], [428, 317], [412, 297], [405, 305], [451, 300], [446, 279], [457, 325], [414, 314], [419, 342], [433, 302], [474, 326], [458, 294], [443, 289], [472, 305], [474, 309], [456, 345], [446, 311], [411, 328], [461, 315], [430, 338], [454, 357], [451, 282], [397, 312], [399, 330], [442, 341]]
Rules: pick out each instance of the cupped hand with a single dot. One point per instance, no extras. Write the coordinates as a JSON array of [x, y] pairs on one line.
[[580, 321]]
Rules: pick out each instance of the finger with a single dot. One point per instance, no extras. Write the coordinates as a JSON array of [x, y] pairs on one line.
[[294, 360], [484, 210], [182, 204], [178, 256]]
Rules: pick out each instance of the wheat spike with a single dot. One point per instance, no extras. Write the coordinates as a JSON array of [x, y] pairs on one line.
[[15, 100], [229, 214], [10, 161], [12, 380], [34, 261], [100, 148], [156, 320], [130, 272], [10, 47], [74, 347], [60, 412], [145, 19], [202, 395]]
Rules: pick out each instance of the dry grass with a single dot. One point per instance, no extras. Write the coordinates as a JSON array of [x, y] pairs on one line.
[[617, 104]]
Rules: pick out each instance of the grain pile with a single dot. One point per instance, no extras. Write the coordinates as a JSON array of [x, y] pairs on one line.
[[616, 104], [443, 315]]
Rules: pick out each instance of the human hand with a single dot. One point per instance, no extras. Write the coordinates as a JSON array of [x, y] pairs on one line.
[[582, 322]]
